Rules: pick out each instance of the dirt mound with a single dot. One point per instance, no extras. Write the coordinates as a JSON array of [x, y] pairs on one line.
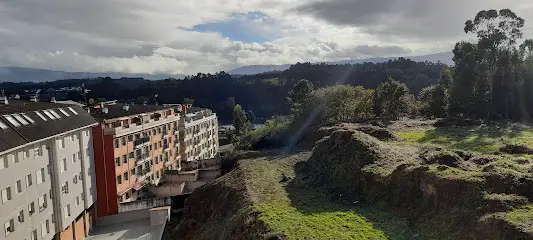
[[221, 210], [443, 157], [457, 122], [516, 149], [437, 186], [380, 133]]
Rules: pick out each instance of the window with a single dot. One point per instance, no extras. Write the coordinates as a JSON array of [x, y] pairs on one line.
[[75, 179], [31, 208], [27, 118], [41, 116], [72, 110], [3, 163], [9, 227], [130, 138], [49, 114], [12, 120], [64, 165], [74, 157], [126, 176], [54, 113], [33, 235], [86, 133], [21, 216], [3, 126], [64, 188], [66, 211], [117, 161], [132, 172], [124, 158], [77, 201], [20, 119], [62, 142], [127, 195], [119, 179], [72, 137], [42, 203], [25, 154], [116, 143], [6, 194], [63, 111], [123, 139], [154, 132], [19, 186], [45, 228], [37, 151]]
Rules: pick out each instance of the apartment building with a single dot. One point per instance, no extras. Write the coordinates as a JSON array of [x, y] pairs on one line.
[[198, 130], [133, 146], [46, 171]]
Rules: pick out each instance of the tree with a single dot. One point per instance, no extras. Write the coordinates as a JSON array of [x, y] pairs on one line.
[[250, 115], [240, 121], [446, 77], [188, 101], [433, 101], [299, 95], [231, 102], [392, 100]]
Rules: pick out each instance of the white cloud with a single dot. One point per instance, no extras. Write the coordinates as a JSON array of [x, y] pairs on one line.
[[151, 37]]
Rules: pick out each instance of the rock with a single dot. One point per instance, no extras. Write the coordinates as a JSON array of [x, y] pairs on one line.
[[380, 133], [483, 159], [444, 157]]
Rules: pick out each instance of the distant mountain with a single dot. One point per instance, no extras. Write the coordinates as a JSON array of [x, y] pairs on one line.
[[445, 57], [21, 74]]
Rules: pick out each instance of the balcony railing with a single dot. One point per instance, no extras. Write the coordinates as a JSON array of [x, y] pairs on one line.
[[141, 141], [143, 172], [142, 156]]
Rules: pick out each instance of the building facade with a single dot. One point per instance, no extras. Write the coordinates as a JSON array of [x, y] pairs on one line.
[[198, 131], [133, 146], [46, 171]]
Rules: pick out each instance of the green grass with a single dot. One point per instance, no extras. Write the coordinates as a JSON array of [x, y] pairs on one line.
[[302, 212], [485, 139], [522, 217]]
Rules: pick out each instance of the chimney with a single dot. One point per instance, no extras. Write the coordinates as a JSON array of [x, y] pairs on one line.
[[53, 100], [105, 110], [126, 107]]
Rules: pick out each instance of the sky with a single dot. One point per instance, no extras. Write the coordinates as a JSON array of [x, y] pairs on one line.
[[191, 36]]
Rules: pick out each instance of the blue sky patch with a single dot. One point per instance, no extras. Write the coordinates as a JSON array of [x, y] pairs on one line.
[[240, 27]]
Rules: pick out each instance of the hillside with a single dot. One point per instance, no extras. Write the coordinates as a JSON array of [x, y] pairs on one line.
[[445, 57], [21, 74], [355, 186]]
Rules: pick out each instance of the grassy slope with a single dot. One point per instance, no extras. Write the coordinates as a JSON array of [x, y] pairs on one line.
[[302, 212], [485, 139]]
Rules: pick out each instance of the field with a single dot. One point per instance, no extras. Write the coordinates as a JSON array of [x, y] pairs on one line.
[[300, 211], [483, 139]]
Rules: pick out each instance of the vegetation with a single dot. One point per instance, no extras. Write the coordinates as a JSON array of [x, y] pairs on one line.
[[302, 212], [272, 135], [485, 139], [299, 95], [240, 121], [392, 100]]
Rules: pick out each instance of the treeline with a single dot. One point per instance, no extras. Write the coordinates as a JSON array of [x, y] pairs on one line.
[[492, 77], [263, 94]]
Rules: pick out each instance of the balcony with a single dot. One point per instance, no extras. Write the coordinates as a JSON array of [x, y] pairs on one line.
[[141, 141], [141, 157], [136, 126], [143, 174]]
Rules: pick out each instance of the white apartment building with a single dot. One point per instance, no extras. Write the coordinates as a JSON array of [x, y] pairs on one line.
[[199, 135], [46, 171]]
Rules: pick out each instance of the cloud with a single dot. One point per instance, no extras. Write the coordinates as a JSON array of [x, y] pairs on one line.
[[138, 36], [413, 19]]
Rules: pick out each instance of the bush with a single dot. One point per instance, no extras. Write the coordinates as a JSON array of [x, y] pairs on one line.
[[272, 135]]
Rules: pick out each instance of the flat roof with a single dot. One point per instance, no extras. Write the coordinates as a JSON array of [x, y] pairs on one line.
[[136, 229], [118, 111]]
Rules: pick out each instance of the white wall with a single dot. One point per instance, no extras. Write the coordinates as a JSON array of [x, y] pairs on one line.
[[20, 201]]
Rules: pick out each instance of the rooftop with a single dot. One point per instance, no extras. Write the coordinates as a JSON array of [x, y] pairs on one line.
[[23, 122], [146, 224], [118, 110]]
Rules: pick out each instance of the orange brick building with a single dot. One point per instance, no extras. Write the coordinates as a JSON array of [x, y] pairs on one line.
[[132, 147]]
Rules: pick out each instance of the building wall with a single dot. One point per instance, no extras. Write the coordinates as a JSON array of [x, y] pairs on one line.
[[105, 173], [18, 170], [199, 138]]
